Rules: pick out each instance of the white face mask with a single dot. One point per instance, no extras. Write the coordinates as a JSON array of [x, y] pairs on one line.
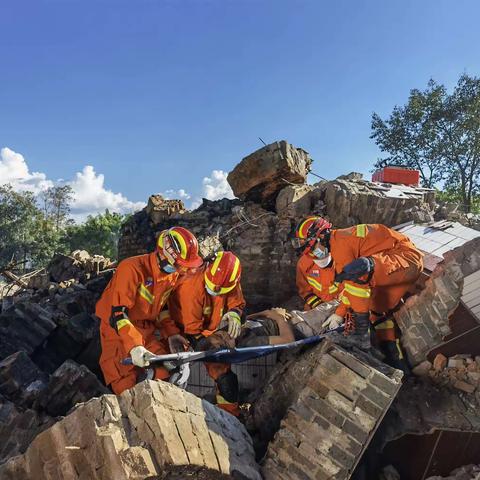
[[211, 292], [323, 262], [320, 253]]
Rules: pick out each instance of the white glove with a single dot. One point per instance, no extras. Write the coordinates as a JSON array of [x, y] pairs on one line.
[[234, 323], [141, 356], [333, 321], [177, 343]]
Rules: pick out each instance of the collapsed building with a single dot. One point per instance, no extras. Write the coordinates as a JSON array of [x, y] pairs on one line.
[[316, 412]]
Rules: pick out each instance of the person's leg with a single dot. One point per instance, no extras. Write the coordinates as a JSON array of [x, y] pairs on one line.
[[226, 385]]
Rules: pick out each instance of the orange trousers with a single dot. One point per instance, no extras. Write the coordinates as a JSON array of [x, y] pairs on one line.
[[389, 287], [122, 377]]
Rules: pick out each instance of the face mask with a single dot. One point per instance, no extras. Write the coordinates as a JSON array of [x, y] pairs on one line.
[[323, 262], [211, 292], [319, 253], [169, 268]]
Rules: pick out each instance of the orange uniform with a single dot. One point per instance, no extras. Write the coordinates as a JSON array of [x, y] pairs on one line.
[[315, 284], [130, 309], [397, 265], [197, 313]]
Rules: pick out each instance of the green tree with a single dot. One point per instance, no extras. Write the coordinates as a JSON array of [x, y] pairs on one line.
[[98, 234], [56, 205], [437, 133]]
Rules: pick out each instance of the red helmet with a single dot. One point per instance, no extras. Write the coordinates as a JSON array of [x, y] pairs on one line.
[[223, 274], [180, 247], [308, 231]]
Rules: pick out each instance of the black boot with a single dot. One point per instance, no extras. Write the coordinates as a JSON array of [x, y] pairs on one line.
[[394, 355], [360, 337]]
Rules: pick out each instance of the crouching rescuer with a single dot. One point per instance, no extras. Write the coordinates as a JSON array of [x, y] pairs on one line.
[[375, 266], [203, 303], [134, 301]]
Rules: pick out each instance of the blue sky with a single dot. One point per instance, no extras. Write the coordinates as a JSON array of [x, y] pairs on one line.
[[157, 94]]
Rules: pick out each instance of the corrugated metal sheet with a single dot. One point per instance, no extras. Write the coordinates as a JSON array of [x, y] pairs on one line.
[[437, 239]]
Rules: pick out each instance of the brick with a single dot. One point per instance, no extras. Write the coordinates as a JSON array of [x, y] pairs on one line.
[[464, 386], [351, 362], [368, 407], [341, 456], [351, 428], [325, 411], [439, 362], [376, 396], [297, 474], [383, 383]]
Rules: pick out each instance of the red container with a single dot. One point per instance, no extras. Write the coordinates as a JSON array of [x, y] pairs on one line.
[[397, 175]]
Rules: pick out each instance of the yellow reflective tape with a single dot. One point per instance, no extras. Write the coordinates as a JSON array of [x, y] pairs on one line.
[[164, 314], [357, 291], [333, 288], [314, 283], [399, 348], [222, 401], [214, 287], [386, 325], [235, 270], [181, 241], [123, 323], [145, 293], [344, 299], [216, 263], [362, 230], [207, 310]]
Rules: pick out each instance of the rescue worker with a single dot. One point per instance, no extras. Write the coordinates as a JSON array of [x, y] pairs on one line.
[[134, 300], [201, 304], [315, 277], [377, 266]]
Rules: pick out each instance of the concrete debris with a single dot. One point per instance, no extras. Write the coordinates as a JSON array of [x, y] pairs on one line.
[[423, 319], [159, 208], [260, 176], [139, 434], [467, 472], [321, 408]]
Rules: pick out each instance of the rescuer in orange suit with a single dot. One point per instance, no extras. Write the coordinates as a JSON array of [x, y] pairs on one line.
[[376, 266], [135, 301], [315, 278], [201, 304]]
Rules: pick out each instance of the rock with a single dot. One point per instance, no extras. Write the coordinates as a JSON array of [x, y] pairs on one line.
[[351, 176], [24, 326], [464, 386], [150, 429], [297, 200], [474, 377], [440, 362], [260, 176], [159, 208], [20, 379], [422, 369], [69, 384], [455, 363]]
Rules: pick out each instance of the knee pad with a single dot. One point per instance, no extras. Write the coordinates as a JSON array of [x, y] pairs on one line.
[[227, 385]]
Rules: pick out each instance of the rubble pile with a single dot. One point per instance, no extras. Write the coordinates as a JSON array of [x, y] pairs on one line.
[[49, 347], [467, 472], [460, 371], [153, 429], [259, 227]]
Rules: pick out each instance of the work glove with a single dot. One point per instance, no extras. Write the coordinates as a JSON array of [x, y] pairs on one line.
[[232, 319], [141, 356], [333, 321], [357, 268], [180, 376], [178, 343]]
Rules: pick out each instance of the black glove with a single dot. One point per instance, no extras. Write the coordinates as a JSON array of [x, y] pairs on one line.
[[356, 269]]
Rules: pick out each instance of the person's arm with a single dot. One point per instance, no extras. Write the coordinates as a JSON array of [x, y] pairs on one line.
[[284, 329]]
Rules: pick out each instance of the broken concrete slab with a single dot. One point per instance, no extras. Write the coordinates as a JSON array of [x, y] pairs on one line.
[[322, 408], [139, 434], [424, 318], [260, 176]]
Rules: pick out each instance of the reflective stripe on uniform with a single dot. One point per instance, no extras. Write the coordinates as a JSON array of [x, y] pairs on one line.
[[314, 283], [387, 324], [235, 270], [362, 292], [145, 293], [164, 314], [207, 311], [221, 401], [333, 288], [312, 299], [361, 230], [344, 299], [123, 323]]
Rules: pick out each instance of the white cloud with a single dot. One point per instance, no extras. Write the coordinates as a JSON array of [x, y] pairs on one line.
[[179, 194], [90, 194], [14, 170], [216, 186]]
